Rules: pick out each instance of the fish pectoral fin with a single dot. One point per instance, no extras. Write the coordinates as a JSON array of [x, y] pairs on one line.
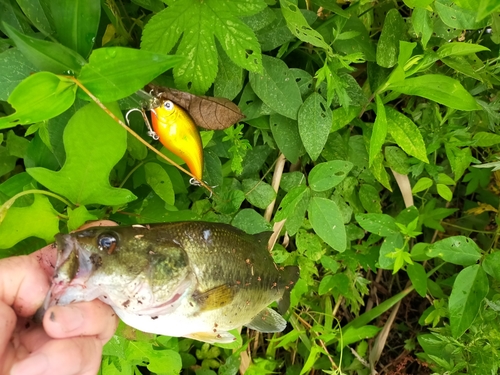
[[267, 320], [214, 298], [221, 337]]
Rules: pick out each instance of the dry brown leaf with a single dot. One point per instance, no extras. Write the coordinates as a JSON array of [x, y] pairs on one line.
[[207, 112]]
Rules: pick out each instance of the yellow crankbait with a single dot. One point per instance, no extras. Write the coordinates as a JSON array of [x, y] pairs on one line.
[[179, 134]]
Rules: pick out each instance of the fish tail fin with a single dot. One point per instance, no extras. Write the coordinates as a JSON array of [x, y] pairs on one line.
[[290, 276]]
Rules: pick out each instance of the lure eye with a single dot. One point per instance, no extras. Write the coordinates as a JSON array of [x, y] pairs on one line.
[[107, 242], [168, 105]]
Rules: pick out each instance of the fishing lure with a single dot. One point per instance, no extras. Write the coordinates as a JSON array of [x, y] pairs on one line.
[[178, 133]]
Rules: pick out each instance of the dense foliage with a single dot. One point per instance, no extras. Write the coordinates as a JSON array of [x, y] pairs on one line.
[[369, 143]]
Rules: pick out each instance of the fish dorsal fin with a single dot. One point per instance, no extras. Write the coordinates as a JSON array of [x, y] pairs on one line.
[[214, 298], [267, 320], [213, 337]]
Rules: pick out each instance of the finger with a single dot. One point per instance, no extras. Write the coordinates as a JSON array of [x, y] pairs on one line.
[[93, 318], [72, 356], [23, 285], [7, 325]]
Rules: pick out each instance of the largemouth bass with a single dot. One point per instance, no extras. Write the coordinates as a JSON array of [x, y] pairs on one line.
[[190, 279]]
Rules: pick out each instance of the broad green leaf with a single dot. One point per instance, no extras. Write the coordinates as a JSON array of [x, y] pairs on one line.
[[439, 88], [486, 7], [50, 56], [460, 159], [327, 175], [315, 121], [14, 67], [158, 179], [422, 184], [16, 145], [38, 98], [229, 80], [326, 220], [486, 139], [380, 224], [197, 23], [94, 143], [422, 24], [286, 135], [469, 289], [379, 172], [456, 17], [293, 208], [167, 362], [406, 134], [341, 117], [361, 43], [116, 72], [397, 160], [251, 221], [37, 13], [299, 26], [459, 49], [78, 217], [258, 193], [379, 130], [418, 278], [418, 3], [353, 335], [276, 87], [370, 199], [76, 23], [38, 220], [457, 250], [391, 244], [393, 31], [491, 265]]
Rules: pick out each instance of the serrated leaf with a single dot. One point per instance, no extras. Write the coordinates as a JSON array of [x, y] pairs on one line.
[[158, 179], [116, 72], [315, 121], [393, 31], [439, 88], [422, 184], [469, 289], [379, 130], [457, 250], [258, 193], [380, 224], [276, 87], [38, 98], [38, 220], [78, 217], [418, 278], [286, 135], [327, 175], [198, 22], [14, 67], [94, 143], [406, 134], [326, 220], [76, 23], [45, 55], [251, 221]]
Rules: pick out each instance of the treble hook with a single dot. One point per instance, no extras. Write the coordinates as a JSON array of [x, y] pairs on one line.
[[151, 132], [193, 181]]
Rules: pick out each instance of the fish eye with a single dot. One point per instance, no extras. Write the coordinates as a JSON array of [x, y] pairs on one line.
[[168, 105], [107, 242]]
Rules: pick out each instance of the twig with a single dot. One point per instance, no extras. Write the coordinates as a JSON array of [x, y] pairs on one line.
[[278, 172]]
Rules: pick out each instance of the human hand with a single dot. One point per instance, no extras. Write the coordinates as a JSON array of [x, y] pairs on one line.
[[71, 338]]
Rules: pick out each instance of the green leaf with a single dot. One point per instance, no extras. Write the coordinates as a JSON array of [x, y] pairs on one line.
[[38, 220], [251, 221], [50, 56], [370, 199], [456, 17], [37, 14], [393, 31], [229, 80], [380, 224], [391, 244], [486, 139], [342, 116], [166, 362], [78, 217], [286, 135], [486, 7], [326, 220], [293, 207], [406, 134], [277, 88], [459, 49], [491, 264], [327, 175], [16, 145], [94, 143], [418, 3], [422, 24], [14, 67], [422, 184], [361, 43], [379, 172], [38, 98], [397, 160], [158, 179], [379, 130], [457, 250], [198, 22], [439, 88], [76, 23], [315, 121], [300, 27], [460, 159], [418, 278], [258, 193], [116, 72], [469, 289], [353, 335]]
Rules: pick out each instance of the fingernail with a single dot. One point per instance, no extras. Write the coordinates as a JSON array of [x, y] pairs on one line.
[[35, 364], [68, 318]]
